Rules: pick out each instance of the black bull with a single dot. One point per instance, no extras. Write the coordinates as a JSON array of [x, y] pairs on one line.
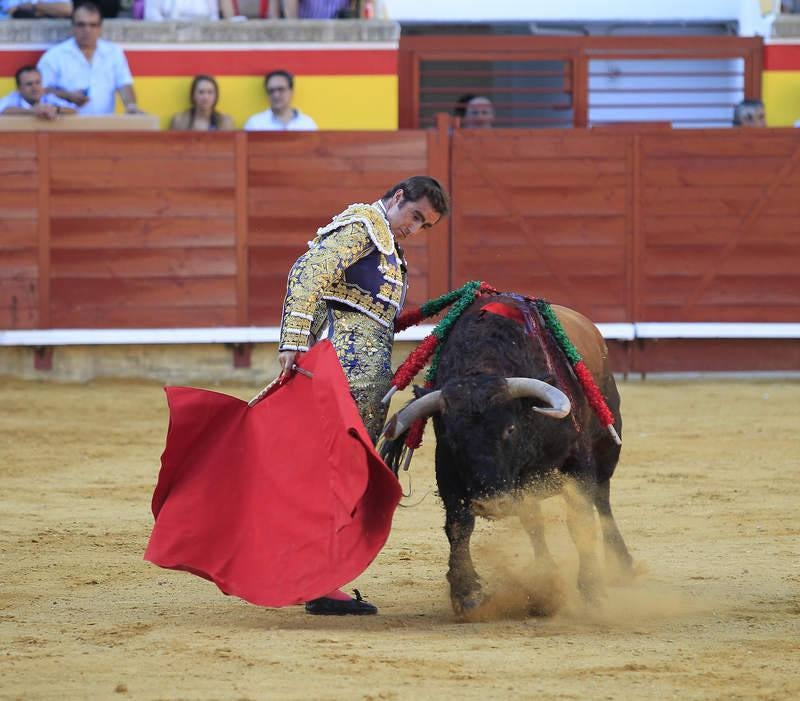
[[500, 436]]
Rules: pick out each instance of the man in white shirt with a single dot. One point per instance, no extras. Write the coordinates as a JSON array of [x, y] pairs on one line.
[[87, 70], [30, 99], [280, 116], [181, 10], [28, 9]]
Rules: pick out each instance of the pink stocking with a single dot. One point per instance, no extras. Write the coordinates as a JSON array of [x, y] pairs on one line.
[[337, 594]]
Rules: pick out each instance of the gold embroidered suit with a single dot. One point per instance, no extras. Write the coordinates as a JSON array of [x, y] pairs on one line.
[[352, 281]]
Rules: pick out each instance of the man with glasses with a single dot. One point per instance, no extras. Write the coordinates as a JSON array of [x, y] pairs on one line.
[[87, 70], [280, 116]]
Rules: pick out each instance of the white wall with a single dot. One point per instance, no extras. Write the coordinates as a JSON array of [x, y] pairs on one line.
[[747, 12]]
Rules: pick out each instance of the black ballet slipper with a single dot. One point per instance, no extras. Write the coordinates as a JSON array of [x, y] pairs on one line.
[[336, 607]]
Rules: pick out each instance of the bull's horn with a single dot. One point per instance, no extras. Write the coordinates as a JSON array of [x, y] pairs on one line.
[[418, 409], [529, 387]]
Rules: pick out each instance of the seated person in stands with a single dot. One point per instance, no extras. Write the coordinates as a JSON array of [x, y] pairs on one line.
[[87, 70], [317, 9], [280, 116], [250, 9], [186, 10], [108, 8], [30, 98], [202, 115], [32, 9], [476, 112], [749, 113]]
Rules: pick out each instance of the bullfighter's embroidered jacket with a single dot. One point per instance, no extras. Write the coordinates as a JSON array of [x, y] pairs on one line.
[[353, 261]]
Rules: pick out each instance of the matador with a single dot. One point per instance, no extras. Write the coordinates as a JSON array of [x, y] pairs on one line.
[[348, 287]]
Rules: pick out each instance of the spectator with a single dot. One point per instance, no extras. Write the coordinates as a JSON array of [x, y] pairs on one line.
[[317, 9], [749, 113], [87, 70], [108, 8], [202, 115], [187, 10], [29, 98], [33, 9], [476, 112], [249, 9], [281, 116]]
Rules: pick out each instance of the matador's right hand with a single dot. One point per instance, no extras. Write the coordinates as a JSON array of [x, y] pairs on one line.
[[286, 359]]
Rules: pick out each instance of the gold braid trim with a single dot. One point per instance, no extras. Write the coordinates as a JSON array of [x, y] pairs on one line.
[[377, 227], [316, 272]]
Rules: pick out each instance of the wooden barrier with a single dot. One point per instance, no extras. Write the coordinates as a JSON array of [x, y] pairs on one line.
[[718, 226], [297, 182], [142, 230], [20, 212], [80, 122], [673, 226], [157, 230], [546, 213], [108, 230]]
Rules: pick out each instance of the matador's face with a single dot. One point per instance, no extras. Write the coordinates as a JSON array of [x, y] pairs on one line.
[[407, 217]]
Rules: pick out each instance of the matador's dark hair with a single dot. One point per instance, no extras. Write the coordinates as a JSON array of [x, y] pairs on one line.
[[419, 186]]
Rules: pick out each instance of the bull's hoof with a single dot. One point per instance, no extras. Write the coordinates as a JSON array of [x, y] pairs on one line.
[[467, 606], [592, 590], [547, 594], [623, 573], [620, 566]]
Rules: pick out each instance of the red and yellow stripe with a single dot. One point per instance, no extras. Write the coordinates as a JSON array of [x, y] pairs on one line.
[[342, 86], [781, 83]]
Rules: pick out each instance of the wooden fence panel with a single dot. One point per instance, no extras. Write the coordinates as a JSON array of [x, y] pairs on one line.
[[19, 234], [545, 213], [297, 181], [142, 230], [720, 236]]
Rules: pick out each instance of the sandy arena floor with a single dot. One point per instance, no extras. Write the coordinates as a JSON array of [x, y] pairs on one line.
[[706, 494]]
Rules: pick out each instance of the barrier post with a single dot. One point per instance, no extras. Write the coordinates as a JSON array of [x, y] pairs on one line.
[[242, 259], [43, 226], [439, 240]]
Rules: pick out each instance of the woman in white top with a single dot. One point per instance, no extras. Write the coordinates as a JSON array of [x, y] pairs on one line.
[[159, 10]]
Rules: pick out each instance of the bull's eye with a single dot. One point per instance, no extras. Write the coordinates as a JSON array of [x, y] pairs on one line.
[[508, 431]]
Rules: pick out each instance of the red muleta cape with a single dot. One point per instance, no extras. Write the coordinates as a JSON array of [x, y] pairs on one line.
[[278, 503]]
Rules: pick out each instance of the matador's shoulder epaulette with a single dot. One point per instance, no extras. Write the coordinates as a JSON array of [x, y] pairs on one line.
[[377, 227]]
